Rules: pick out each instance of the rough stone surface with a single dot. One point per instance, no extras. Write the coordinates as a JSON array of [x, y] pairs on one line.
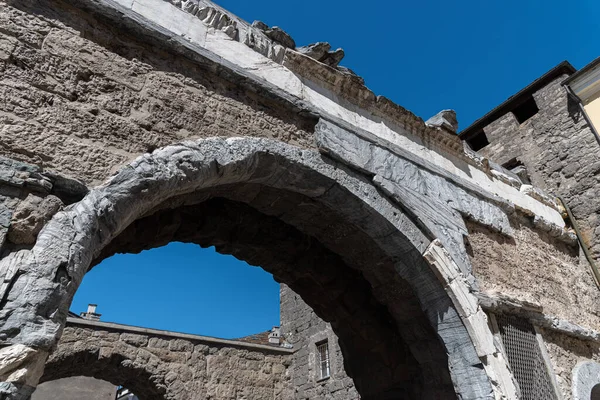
[[444, 119], [586, 376], [75, 388], [101, 101], [318, 50], [566, 353], [280, 36], [559, 151], [30, 216], [302, 328], [162, 367], [511, 266], [177, 171], [22, 357], [88, 86]]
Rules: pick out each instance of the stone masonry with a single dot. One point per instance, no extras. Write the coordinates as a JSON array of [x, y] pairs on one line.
[[303, 329], [165, 365], [559, 152], [555, 150], [128, 124]]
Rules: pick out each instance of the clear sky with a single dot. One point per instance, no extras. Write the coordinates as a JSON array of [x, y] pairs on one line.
[[182, 287], [426, 55]]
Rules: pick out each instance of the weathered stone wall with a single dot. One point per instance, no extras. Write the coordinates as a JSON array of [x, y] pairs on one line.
[[560, 152], [29, 197], [565, 353], [161, 365], [381, 205], [562, 156], [532, 267], [302, 328], [82, 98]]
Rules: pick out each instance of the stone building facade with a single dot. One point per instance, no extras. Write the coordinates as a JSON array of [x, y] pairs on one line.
[[306, 331], [553, 147], [543, 135], [127, 124]]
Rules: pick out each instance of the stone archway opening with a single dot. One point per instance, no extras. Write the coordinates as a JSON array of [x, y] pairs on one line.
[[337, 292], [101, 370], [81, 387], [352, 255], [182, 287]]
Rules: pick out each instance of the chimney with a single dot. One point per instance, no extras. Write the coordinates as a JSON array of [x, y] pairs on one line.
[[275, 335], [91, 313]]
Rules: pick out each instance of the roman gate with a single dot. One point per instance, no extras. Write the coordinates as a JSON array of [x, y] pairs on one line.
[[128, 124]]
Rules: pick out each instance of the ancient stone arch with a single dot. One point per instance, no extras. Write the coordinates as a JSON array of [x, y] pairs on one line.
[[386, 225], [586, 381], [349, 251], [157, 364], [117, 368]]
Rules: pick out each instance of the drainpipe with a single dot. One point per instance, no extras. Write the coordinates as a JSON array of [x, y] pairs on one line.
[[585, 114], [586, 251]]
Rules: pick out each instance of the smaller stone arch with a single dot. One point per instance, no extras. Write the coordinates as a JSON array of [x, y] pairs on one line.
[[163, 365], [586, 381], [116, 365]]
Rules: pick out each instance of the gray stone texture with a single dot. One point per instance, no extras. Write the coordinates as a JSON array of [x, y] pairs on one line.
[[163, 367], [566, 352], [586, 376], [339, 215], [30, 216], [108, 97], [560, 152], [75, 388], [365, 230], [563, 288], [302, 328]]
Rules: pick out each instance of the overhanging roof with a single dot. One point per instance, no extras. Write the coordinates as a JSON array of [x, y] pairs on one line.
[[582, 71], [561, 69]]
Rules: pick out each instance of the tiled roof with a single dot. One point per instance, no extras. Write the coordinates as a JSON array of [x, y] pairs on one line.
[[258, 338]]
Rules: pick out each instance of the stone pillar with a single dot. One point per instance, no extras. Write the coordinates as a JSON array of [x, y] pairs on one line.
[[33, 293], [21, 368]]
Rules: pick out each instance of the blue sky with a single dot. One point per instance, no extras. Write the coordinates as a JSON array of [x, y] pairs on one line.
[[184, 288], [426, 56]]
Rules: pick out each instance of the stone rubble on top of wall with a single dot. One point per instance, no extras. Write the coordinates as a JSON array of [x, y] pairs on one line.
[[257, 35], [315, 62], [294, 80]]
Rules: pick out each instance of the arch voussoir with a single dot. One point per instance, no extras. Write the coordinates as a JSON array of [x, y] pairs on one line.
[[275, 180]]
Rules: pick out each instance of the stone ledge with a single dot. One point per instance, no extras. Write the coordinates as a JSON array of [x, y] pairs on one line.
[[535, 313], [176, 335], [216, 24], [35, 179], [350, 87]]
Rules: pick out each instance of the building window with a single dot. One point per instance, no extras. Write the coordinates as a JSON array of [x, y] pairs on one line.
[[478, 141], [526, 110], [324, 365]]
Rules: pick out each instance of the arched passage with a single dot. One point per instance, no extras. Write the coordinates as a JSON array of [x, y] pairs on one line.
[[351, 254], [116, 368]]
